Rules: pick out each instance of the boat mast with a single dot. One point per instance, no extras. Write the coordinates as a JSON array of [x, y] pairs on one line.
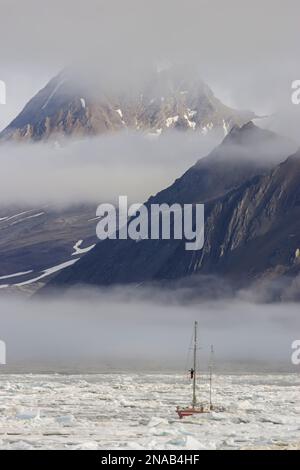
[[194, 402], [210, 376]]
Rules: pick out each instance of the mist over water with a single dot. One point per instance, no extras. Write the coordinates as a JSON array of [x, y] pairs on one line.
[[123, 329]]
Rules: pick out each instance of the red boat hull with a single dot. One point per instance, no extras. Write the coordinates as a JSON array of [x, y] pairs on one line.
[[182, 412]]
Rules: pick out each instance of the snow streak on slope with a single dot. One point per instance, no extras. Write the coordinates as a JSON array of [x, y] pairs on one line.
[[131, 411], [47, 272]]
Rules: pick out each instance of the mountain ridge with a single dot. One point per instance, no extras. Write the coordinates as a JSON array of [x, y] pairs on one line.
[[238, 218], [68, 107]]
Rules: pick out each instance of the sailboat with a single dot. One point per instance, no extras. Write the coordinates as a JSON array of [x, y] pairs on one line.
[[196, 408]]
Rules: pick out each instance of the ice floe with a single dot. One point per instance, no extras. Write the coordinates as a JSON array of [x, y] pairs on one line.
[[92, 412]]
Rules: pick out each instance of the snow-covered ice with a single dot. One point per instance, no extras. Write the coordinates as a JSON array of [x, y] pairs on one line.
[[136, 411]]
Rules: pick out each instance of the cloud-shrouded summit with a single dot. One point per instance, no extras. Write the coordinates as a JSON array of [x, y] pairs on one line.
[[247, 52], [83, 102]]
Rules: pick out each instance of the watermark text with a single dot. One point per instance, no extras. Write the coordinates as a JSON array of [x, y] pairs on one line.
[[295, 358], [153, 221], [296, 93], [2, 353], [2, 92]]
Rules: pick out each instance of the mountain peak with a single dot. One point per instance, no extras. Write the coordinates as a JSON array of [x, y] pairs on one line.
[[72, 104], [246, 130]]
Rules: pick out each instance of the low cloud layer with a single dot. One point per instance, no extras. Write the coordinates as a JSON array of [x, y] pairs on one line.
[[118, 330], [99, 169]]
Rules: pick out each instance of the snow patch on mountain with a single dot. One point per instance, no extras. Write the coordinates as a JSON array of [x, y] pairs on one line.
[[47, 272], [80, 251], [22, 273], [53, 93]]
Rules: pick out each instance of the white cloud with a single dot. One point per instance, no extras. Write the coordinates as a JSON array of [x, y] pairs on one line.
[[99, 169]]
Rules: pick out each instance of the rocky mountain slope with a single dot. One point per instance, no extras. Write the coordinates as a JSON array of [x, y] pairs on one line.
[[35, 240], [35, 243], [252, 220]]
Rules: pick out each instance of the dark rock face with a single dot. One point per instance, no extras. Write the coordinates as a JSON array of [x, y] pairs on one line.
[[252, 227], [263, 226], [166, 101]]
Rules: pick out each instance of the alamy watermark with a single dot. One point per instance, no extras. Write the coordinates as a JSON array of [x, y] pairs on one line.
[[2, 353], [152, 221], [295, 358], [296, 92], [2, 92]]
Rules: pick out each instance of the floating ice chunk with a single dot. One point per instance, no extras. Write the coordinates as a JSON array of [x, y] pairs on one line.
[[245, 405], [188, 442], [66, 420], [29, 414], [92, 445], [21, 445], [156, 421], [135, 446], [193, 444], [158, 431], [272, 419], [127, 404]]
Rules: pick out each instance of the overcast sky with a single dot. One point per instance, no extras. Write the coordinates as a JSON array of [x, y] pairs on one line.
[[247, 51]]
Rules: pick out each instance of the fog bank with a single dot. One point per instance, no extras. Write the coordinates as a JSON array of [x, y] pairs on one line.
[[91, 330]]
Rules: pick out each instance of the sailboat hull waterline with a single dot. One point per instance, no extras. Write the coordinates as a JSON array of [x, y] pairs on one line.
[[183, 412]]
